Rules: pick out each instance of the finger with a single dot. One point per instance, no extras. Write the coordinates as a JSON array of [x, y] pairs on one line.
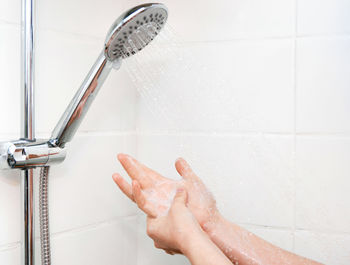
[[169, 252], [180, 197], [184, 169], [124, 186], [141, 200], [136, 170], [137, 164], [174, 251], [131, 166]]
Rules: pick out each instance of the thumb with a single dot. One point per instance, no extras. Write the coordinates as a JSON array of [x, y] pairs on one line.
[[184, 169], [181, 196]]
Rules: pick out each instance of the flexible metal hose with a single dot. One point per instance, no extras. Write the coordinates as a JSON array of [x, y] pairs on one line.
[[44, 216]]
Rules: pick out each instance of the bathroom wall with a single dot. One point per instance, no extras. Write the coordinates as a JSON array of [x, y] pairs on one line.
[[258, 105], [265, 124]]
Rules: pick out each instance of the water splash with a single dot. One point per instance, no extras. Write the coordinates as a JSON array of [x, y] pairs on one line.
[[161, 72], [188, 99]]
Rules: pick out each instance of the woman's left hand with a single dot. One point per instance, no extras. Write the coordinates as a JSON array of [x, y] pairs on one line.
[[171, 232], [160, 190]]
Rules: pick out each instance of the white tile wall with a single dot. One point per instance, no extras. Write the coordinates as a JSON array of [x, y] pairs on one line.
[[279, 237], [324, 247], [198, 20], [11, 256], [109, 243], [254, 91], [10, 81], [226, 86], [323, 183], [63, 61], [10, 215], [86, 194], [329, 17], [222, 101], [10, 11], [243, 194], [89, 18], [323, 78]]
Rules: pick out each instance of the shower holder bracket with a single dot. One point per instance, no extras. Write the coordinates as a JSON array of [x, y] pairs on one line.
[[24, 154]]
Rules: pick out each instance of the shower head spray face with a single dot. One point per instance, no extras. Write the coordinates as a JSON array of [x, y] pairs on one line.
[[134, 29]]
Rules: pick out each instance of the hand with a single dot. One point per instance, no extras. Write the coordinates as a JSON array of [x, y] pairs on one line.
[[173, 231], [160, 191]]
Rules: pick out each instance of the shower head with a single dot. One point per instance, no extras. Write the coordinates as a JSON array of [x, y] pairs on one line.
[[134, 29], [130, 33]]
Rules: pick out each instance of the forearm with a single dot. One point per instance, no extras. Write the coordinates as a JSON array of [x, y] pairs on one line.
[[241, 246], [200, 250]]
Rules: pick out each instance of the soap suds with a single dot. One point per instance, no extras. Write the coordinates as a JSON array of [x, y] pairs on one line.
[[162, 195]]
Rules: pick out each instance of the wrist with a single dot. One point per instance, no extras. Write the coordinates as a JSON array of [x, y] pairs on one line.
[[213, 224], [192, 241]]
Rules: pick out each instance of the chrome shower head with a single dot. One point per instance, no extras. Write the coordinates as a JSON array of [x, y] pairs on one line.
[[130, 33], [134, 29]]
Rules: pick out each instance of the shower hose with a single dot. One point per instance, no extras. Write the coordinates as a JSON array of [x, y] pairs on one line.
[[44, 216]]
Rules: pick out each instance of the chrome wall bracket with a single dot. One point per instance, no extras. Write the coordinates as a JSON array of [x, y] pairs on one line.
[[24, 154]]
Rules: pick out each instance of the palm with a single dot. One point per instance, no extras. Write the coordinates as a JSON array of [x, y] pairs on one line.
[[160, 191]]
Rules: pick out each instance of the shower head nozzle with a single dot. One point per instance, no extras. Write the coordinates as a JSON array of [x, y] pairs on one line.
[[134, 29]]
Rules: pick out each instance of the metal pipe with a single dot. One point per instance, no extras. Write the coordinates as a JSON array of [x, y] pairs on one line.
[[28, 130], [28, 127], [28, 236]]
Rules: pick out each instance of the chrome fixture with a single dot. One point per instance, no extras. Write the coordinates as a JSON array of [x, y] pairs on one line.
[[129, 34], [27, 128], [24, 154]]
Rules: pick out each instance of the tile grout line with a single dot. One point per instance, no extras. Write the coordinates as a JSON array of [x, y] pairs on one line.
[[242, 133], [80, 36], [10, 246], [323, 231], [54, 30], [289, 229], [14, 245], [89, 227], [8, 22], [295, 121], [267, 38], [281, 228], [11, 135], [137, 216], [84, 228], [233, 39]]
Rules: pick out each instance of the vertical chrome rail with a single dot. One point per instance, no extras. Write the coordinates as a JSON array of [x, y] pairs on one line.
[[28, 237], [27, 128], [28, 69]]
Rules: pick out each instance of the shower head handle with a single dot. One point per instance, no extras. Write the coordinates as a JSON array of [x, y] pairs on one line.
[[79, 105]]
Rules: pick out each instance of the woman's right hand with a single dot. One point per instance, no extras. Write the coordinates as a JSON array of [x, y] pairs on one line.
[[201, 202]]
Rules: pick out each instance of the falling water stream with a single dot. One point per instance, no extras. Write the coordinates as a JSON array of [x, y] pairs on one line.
[[188, 98]]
